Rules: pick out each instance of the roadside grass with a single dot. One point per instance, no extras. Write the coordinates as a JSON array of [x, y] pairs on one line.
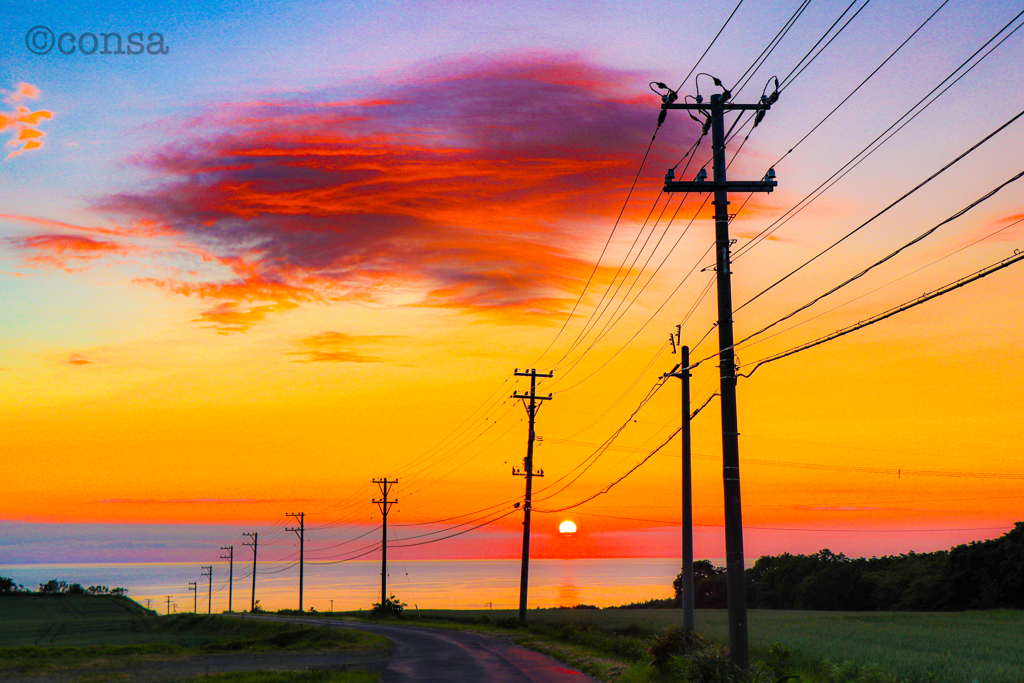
[[827, 647]]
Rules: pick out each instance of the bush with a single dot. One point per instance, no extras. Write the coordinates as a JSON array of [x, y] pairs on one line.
[[778, 659], [392, 607], [711, 664], [676, 641]]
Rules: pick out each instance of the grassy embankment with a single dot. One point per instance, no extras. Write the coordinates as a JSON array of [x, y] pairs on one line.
[[68, 633], [828, 647]]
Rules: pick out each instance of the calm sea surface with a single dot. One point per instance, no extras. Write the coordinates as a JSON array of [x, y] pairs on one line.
[[466, 584]]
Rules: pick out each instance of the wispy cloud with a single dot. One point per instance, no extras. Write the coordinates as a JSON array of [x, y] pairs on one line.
[[189, 501], [21, 122], [230, 316], [337, 347], [60, 251]]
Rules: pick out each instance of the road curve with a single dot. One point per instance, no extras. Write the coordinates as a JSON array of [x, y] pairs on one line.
[[425, 655]]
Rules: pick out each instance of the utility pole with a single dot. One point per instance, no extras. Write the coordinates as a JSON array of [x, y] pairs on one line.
[[384, 505], [686, 589], [739, 644], [195, 596], [208, 571], [531, 411], [231, 570], [168, 604], [255, 536], [147, 603], [301, 533]]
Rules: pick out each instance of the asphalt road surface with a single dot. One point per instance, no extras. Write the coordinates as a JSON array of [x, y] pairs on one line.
[[424, 655]]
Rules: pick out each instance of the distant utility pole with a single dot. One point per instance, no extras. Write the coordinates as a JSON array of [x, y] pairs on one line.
[[739, 644], [686, 589], [208, 571], [231, 570], [384, 505], [255, 536], [531, 411], [147, 603], [300, 531], [195, 596], [168, 604]]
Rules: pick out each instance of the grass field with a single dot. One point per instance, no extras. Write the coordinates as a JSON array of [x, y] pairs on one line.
[[957, 647], [85, 621]]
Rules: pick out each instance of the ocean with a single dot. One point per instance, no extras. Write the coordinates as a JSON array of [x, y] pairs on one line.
[[423, 584]]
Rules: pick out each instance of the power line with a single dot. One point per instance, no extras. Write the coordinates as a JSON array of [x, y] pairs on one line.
[[887, 134], [842, 239], [777, 528], [984, 272]]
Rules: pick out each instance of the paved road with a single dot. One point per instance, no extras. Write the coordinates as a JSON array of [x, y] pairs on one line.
[[424, 655]]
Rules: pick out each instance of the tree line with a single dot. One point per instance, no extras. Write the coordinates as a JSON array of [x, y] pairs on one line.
[[978, 575], [55, 587]]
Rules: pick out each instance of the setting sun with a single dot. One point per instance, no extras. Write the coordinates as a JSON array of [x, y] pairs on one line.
[[567, 527]]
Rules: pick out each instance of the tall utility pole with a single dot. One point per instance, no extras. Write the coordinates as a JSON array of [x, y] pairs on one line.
[[300, 531], [531, 411], [195, 596], [208, 571], [739, 644], [686, 589], [168, 604], [384, 505], [231, 570], [255, 536]]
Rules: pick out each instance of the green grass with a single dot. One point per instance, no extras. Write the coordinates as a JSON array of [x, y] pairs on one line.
[[942, 647], [72, 619], [35, 626]]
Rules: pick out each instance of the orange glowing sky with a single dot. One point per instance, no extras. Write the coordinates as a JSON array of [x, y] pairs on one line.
[[230, 299]]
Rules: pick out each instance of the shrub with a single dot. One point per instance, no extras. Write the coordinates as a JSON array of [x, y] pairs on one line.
[[392, 607], [710, 663], [778, 659], [674, 642]]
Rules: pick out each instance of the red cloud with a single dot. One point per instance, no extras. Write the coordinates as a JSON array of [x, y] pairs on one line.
[[78, 359], [57, 250], [477, 184]]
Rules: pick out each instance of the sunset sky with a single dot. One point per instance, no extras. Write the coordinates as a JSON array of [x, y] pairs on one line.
[[310, 244]]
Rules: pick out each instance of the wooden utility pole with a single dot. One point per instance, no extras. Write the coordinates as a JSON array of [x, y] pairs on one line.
[[255, 536], [195, 596], [300, 531], [527, 471], [231, 570], [208, 571], [739, 644], [384, 505], [168, 604], [686, 589]]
